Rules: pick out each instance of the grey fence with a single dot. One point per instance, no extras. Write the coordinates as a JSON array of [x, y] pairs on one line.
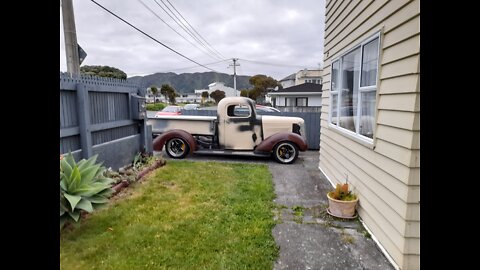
[[98, 116], [312, 123]]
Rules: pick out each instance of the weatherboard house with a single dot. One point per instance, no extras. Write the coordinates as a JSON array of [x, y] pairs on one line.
[[370, 120]]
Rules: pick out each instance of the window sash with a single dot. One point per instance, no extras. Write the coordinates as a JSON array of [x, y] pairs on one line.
[[361, 91]]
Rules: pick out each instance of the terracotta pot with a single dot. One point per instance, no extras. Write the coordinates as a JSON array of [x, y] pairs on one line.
[[341, 209]]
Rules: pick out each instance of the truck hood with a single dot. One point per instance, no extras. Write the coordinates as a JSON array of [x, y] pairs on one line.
[[274, 124]]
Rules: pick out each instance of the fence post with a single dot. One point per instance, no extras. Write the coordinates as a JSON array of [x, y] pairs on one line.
[[83, 112], [147, 137]]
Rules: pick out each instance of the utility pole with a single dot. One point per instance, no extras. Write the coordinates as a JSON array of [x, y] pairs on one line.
[[235, 74], [70, 33]]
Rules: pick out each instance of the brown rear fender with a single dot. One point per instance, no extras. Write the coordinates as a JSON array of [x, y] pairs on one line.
[[269, 143], [160, 141]]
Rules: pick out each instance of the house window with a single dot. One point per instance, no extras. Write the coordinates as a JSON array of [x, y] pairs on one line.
[[303, 101], [353, 89], [289, 101]]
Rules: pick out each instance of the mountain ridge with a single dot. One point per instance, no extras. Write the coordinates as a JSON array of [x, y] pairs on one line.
[[188, 82]]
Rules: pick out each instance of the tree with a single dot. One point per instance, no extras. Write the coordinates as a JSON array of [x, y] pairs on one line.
[[154, 91], [217, 95], [166, 90], [103, 71], [171, 96], [244, 93], [204, 96], [261, 84]]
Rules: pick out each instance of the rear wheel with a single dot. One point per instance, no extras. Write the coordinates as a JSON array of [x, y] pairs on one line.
[[177, 148], [285, 152]]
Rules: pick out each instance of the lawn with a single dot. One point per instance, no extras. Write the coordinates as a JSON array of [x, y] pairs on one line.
[[185, 215]]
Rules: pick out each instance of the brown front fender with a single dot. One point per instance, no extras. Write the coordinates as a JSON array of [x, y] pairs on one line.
[[269, 143], [160, 141]]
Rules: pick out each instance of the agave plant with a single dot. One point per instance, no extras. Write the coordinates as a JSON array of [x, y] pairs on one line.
[[83, 186]]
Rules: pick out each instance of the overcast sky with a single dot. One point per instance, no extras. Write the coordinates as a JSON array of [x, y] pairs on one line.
[[284, 36]]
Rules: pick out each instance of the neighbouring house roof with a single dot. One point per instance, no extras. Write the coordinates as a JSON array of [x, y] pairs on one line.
[[301, 88], [289, 77], [215, 83]]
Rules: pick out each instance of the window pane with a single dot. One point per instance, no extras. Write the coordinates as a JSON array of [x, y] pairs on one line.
[[334, 109], [368, 114], [289, 101], [301, 101], [348, 93], [369, 63], [335, 76]]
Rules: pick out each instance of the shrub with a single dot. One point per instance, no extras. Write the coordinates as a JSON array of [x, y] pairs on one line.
[[83, 186], [155, 107]]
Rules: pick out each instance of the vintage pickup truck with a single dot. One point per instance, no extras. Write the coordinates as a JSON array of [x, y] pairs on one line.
[[236, 130]]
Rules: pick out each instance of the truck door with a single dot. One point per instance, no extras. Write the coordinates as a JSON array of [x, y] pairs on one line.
[[238, 129]]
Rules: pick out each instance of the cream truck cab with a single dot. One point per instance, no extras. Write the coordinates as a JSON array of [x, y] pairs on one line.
[[236, 130]]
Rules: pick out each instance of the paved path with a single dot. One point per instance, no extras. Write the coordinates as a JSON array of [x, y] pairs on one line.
[[308, 237]]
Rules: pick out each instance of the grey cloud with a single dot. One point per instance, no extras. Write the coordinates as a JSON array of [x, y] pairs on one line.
[[282, 32]]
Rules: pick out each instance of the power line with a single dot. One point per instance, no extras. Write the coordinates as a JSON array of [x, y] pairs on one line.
[[156, 15], [209, 64], [151, 37], [195, 30], [271, 64], [185, 28]]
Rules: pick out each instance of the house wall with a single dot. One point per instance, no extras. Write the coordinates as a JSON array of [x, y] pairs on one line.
[[287, 83], [385, 174], [312, 100], [310, 74]]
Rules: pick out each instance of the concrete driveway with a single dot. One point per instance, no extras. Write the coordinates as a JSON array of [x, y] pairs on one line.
[[308, 237]]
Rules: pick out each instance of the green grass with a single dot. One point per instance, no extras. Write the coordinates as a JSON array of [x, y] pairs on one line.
[[187, 215]]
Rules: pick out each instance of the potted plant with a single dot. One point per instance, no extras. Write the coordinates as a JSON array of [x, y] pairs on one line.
[[342, 202]]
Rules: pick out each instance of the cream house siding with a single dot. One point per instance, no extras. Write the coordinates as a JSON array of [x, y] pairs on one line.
[[385, 173], [410, 65], [401, 137], [402, 102], [398, 85], [404, 31], [401, 50], [400, 119], [353, 32]]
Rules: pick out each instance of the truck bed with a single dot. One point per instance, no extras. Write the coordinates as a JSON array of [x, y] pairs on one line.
[[195, 125]]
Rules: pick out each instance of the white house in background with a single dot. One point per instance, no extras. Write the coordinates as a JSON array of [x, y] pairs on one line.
[[306, 97], [229, 92], [288, 81], [308, 76], [370, 121], [189, 98], [302, 76]]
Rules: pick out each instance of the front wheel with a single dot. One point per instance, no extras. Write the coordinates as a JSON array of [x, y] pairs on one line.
[[177, 148], [285, 152]]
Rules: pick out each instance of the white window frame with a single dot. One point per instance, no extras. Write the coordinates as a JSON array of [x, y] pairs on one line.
[[361, 90]]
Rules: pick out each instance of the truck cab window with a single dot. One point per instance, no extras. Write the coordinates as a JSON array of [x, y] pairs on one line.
[[238, 111]]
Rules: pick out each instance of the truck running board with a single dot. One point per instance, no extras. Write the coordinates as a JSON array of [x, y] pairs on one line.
[[231, 152]]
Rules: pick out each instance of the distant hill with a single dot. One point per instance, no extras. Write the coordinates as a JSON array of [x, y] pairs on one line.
[[188, 82]]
